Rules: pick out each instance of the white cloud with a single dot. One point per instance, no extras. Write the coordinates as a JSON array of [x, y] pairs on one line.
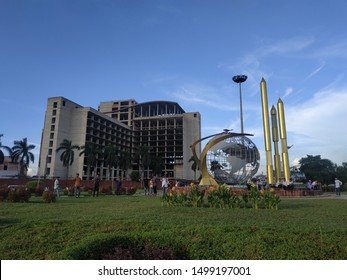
[[314, 72], [286, 46], [317, 126], [338, 50], [204, 96], [288, 92]]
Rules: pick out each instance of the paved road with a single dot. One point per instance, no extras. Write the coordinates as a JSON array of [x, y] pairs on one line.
[[323, 196]]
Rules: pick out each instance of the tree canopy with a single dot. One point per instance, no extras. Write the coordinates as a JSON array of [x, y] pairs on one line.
[[316, 168]]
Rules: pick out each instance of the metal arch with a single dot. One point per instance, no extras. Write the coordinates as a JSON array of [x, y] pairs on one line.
[[206, 179]]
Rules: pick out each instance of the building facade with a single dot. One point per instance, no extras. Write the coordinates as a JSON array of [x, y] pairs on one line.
[[162, 126], [9, 169]]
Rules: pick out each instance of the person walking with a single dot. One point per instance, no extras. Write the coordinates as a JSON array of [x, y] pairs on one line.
[[164, 184], [338, 185], [155, 185], [56, 186], [119, 187], [151, 186], [77, 185], [146, 185], [97, 181]]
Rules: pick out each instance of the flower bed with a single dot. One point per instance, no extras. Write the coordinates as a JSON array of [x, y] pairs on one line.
[[221, 197]]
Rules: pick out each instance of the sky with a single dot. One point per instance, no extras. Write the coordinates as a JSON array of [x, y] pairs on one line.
[[186, 51]]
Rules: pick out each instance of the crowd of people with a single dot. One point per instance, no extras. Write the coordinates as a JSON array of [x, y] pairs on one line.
[[151, 185]]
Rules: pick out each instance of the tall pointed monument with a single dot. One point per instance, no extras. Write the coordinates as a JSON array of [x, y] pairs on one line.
[[283, 138], [267, 139]]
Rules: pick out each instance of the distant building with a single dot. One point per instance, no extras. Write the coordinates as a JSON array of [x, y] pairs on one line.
[[8, 169], [161, 125]]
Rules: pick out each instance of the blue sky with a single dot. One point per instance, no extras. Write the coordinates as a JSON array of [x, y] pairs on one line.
[[185, 51]]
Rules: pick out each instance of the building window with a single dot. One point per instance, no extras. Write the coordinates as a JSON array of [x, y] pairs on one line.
[[48, 171], [5, 167], [49, 159], [51, 136], [52, 127], [49, 152], [63, 102], [54, 113], [50, 143], [55, 104], [53, 120]]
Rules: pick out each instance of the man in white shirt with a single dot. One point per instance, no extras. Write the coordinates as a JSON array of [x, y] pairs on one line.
[[164, 184], [338, 184], [56, 186]]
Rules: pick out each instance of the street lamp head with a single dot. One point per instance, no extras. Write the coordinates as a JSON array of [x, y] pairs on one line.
[[239, 78]]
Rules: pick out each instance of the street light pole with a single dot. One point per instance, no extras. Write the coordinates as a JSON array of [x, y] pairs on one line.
[[239, 79]]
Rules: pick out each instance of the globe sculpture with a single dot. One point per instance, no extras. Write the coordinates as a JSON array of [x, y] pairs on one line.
[[233, 160], [228, 157]]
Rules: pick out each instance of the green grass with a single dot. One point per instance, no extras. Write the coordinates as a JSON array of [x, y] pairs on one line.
[[84, 228]]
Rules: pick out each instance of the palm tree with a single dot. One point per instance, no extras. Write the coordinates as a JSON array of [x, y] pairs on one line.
[[144, 158], [194, 165], [124, 161], [157, 164], [111, 159], [215, 166], [2, 156], [21, 154], [68, 155], [91, 152], [8, 149]]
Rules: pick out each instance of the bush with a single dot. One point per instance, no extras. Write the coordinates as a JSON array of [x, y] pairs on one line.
[[3, 193], [88, 189], [39, 190], [106, 190], [127, 191], [135, 176], [221, 197], [48, 196], [31, 185], [331, 187], [19, 194]]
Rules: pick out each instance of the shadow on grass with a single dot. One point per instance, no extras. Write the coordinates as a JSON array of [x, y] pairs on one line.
[[7, 222], [125, 247]]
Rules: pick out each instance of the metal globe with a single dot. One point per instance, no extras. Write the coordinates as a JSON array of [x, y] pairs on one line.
[[233, 161]]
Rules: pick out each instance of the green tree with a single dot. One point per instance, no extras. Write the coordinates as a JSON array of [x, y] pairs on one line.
[[8, 149], [341, 172], [143, 157], [21, 153], [157, 165], [2, 156], [91, 153], [316, 168], [194, 165], [67, 156], [215, 165], [124, 162], [111, 158]]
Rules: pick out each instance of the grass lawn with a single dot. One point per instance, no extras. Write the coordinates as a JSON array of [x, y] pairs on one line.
[[114, 226]]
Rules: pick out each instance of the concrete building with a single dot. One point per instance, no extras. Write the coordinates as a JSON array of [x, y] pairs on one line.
[[164, 127], [8, 169], [65, 119], [126, 124]]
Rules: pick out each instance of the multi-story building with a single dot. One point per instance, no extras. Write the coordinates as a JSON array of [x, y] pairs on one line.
[[9, 169], [65, 119], [162, 126]]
